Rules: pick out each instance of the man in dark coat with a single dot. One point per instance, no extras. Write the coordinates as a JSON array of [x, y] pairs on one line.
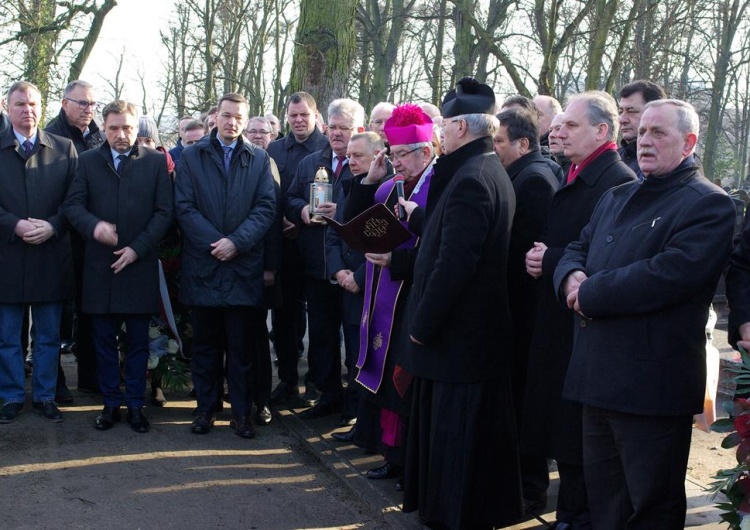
[[121, 204], [517, 145], [460, 331], [76, 122], [633, 99], [345, 118], [641, 279], [551, 426], [225, 203], [289, 319], [35, 256]]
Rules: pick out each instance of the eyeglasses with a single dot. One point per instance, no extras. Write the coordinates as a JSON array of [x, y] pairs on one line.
[[399, 156], [341, 128], [377, 122], [253, 132], [83, 104]]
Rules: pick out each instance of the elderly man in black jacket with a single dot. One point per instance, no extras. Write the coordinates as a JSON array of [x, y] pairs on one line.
[[460, 331], [225, 202], [121, 204], [34, 250], [641, 279], [76, 122]]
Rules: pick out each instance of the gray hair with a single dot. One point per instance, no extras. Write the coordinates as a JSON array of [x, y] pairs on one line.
[[479, 125], [373, 140], [347, 108], [262, 119], [75, 84], [687, 118], [383, 105], [600, 108], [22, 86]]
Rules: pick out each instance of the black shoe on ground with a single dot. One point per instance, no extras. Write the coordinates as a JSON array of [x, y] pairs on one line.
[[263, 416], [534, 506], [325, 407], [88, 388], [203, 423], [137, 420], [399, 485], [48, 410], [347, 421], [282, 393], [311, 397], [63, 394], [107, 419], [10, 411], [243, 427], [346, 437], [387, 470]]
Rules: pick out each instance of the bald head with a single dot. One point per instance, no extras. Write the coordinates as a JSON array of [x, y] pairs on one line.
[[548, 108]]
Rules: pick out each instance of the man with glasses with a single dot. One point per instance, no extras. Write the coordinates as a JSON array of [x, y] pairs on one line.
[[379, 115], [258, 132], [76, 122], [345, 118]]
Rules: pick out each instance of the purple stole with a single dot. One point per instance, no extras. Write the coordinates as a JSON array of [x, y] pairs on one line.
[[378, 312]]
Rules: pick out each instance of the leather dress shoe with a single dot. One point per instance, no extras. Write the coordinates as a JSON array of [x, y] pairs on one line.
[[346, 437], [203, 423], [243, 427], [311, 397], [107, 419], [399, 485], [263, 416], [48, 410], [534, 506], [10, 411], [347, 421], [387, 470], [282, 393], [137, 420], [325, 407], [89, 389]]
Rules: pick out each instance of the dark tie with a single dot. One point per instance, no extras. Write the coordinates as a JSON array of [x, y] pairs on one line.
[[121, 163], [340, 166], [27, 147], [227, 157]]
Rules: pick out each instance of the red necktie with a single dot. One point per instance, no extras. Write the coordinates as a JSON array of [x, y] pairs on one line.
[[340, 166]]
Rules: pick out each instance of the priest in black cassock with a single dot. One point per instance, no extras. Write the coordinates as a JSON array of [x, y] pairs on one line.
[[462, 466]]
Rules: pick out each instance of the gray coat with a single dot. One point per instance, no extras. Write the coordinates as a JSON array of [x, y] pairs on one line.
[[140, 204], [210, 205], [35, 188]]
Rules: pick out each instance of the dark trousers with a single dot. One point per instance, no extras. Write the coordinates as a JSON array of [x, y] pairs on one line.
[[105, 331], [351, 351], [635, 469], [572, 498], [239, 331], [324, 332], [287, 325]]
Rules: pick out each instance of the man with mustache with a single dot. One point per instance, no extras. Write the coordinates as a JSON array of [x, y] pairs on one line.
[[640, 279]]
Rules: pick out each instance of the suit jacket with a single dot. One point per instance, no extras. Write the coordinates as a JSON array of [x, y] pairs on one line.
[[458, 304], [140, 204], [552, 341], [35, 187], [653, 253]]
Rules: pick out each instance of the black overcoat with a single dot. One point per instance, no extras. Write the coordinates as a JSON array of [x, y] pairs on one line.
[[36, 188], [551, 427], [140, 204], [458, 304]]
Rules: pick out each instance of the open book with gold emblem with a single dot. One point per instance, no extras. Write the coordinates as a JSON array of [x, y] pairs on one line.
[[375, 230]]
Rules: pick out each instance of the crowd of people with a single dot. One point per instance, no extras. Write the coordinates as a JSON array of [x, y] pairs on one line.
[[549, 303]]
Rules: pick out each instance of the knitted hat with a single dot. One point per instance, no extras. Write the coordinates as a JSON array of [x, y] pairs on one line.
[[408, 125], [469, 97], [147, 129]]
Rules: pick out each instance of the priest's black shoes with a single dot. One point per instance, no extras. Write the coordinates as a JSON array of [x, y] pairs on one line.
[[203, 423], [107, 419], [387, 470], [347, 437], [243, 427]]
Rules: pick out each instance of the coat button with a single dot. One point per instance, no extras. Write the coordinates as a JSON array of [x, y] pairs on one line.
[[583, 324], [610, 239]]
